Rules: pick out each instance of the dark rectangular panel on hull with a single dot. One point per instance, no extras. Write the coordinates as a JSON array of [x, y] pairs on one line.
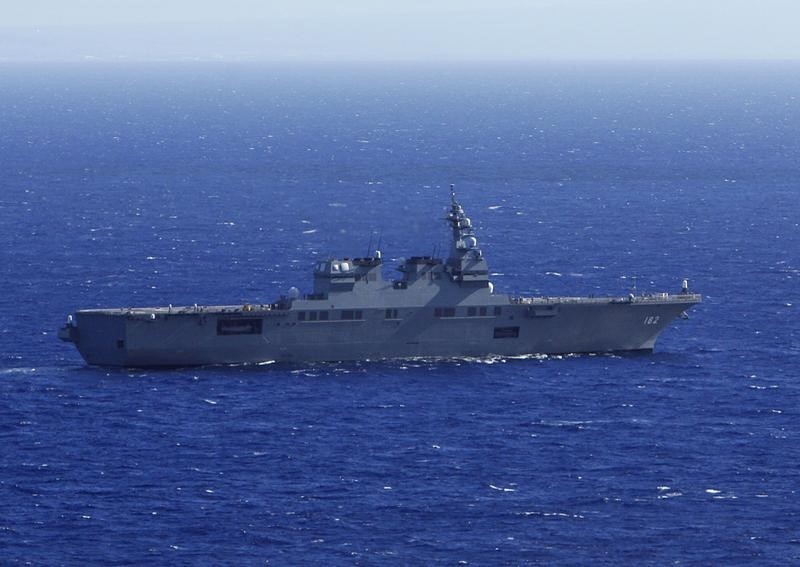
[[506, 332], [239, 326]]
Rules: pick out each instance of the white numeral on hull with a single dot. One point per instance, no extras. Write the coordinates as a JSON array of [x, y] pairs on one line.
[[652, 319]]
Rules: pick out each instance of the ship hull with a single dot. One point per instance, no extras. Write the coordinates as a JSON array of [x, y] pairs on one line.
[[192, 336]]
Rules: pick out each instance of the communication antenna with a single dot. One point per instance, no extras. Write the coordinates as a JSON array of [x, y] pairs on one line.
[[369, 246]]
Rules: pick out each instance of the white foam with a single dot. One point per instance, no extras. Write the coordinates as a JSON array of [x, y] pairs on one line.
[[670, 495]]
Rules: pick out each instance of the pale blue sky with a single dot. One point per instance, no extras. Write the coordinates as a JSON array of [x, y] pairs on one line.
[[435, 30]]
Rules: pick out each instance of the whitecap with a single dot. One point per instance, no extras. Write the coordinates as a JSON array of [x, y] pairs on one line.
[[17, 370], [502, 489], [552, 514], [670, 495], [311, 231]]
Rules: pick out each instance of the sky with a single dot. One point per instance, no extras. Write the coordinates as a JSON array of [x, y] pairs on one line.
[[397, 30]]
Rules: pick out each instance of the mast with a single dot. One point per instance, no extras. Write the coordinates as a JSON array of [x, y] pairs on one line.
[[466, 262]]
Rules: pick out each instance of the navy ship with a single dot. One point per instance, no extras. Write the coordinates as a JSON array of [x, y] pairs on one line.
[[437, 308]]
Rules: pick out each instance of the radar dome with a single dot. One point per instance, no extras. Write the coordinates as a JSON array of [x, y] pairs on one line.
[[294, 293]]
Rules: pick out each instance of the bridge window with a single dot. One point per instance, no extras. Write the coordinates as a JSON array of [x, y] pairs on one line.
[[323, 315], [471, 311], [392, 314], [482, 311], [497, 311]]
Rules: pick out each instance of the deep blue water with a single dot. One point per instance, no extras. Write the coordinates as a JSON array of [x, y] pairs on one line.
[[223, 184]]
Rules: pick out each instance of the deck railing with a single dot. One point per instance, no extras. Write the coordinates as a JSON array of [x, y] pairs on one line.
[[646, 298]]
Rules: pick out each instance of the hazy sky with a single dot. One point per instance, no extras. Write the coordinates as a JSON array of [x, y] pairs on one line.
[[376, 30]]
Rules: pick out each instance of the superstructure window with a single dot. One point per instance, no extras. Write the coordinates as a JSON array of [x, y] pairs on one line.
[[323, 315], [392, 314], [482, 311], [471, 312], [239, 326], [497, 311]]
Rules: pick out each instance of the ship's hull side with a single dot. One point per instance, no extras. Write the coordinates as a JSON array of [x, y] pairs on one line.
[[116, 338]]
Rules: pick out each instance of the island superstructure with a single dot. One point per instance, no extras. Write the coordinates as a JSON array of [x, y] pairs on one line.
[[437, 308]]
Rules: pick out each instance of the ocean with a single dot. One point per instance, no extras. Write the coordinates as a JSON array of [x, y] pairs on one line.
[[136, 185]]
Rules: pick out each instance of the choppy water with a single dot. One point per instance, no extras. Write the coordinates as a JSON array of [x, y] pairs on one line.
[[162, 184]]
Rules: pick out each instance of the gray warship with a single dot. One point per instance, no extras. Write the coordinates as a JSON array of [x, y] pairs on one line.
[[437, 308]]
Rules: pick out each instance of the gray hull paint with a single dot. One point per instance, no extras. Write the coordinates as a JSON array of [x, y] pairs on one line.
[[437, 309], [133, 338]]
